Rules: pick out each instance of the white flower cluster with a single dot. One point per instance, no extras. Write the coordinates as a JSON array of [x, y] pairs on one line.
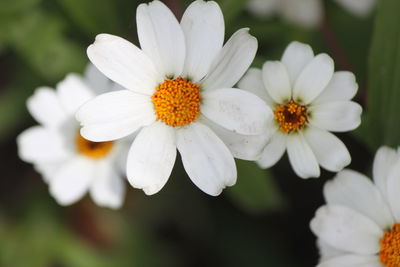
[[135, 108], [176, 93]]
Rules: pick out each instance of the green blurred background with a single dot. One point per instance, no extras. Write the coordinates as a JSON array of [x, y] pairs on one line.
[[262, 221]]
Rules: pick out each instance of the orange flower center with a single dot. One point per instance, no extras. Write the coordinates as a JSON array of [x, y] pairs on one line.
[[291, 116], [95, 150], [390, 247], [177, 102]]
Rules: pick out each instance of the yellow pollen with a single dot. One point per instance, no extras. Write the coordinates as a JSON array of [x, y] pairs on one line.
[[177, 102], [390, 247], [291, 116], [95, 150]]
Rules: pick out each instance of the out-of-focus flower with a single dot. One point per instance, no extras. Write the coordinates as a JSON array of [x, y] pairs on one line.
[[178, 81], [309, 100], [305, 13], [358, 7], [69, 163], [360, 224]]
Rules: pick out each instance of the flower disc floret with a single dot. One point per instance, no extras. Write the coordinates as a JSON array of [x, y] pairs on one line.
[[390, 247], [94, 150], [177, 102], [291, 116]]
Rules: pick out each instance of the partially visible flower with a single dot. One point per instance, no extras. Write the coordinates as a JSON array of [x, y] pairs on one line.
[[178, 88], [360, 224], [358, 7], [309, 101], [69, 163], [305, 13]]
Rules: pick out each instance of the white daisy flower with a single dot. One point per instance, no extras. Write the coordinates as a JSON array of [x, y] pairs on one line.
[[69, 163], [309, 100], [177, 84], [305, 13], [360, 224]]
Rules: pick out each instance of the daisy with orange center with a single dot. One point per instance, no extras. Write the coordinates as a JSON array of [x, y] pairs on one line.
[[178, 96], [389, 253], [309, 100], [177, 102], [95, 150], [360, 224], [291, 116], [69, 163]]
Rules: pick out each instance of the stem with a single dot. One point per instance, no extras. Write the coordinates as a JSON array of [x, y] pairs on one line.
[[340, 56]]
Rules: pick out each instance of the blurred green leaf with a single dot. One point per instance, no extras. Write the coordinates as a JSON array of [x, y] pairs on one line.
[[93, 16], [9, 14], [353, 35], [41, 240], [12, 109], [232, 8], [13, 6], [38, 38], [383, 125], [13, 98], [255, 190]]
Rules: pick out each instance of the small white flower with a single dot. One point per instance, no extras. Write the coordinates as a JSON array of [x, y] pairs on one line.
[[179, 85], [308, 100], [305, 13], [360, 224], [70, 164]]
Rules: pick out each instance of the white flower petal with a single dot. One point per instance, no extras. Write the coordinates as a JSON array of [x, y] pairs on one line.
[[393, 190], [72, 180], [357, 7], [48, 170], [330, 152], [346, 229], [161, 37], [204, 28], [305, 13], [152, 157], [246, 147], [327, 252], [122, 148], [45, 107], [385, 159], [96, 80], [340, 116], [356, 191], [252, 81], [206, 159], [237, 110], [108, 187], [313, 79], [263, 8], [124, 63], [232, 62], [342, 87], [352, 260], [41, 145], [273, 151], [73, 93], [276, 81], [301, 156], [115, 115], [296, 56]]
